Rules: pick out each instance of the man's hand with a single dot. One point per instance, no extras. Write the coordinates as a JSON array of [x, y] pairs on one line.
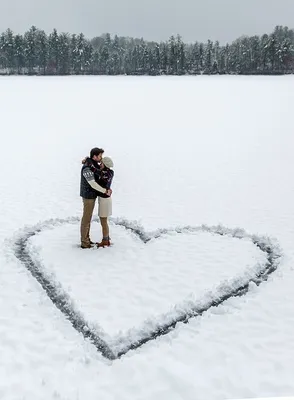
[[109, 192], [84, 160]]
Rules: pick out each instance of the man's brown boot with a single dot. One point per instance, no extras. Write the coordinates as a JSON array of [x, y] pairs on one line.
[[86, 246]]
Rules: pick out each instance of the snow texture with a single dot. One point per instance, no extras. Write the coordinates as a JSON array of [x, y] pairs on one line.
[[196, 153], [89, 287]]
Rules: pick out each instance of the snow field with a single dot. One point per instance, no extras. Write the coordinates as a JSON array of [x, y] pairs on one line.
[[215, 150]]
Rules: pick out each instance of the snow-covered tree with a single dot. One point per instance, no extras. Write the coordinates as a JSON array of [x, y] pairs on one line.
[[19, 53], [88, 58], [10, 50], [35, 52], [208, 57], [42, 51], [64, 53], [180, 56], [54, 52], [30, 49]]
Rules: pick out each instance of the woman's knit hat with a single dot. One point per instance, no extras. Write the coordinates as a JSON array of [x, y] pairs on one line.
[[107, 161]]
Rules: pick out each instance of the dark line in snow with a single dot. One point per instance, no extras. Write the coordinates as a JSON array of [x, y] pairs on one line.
[[58, 298], [63, 302]]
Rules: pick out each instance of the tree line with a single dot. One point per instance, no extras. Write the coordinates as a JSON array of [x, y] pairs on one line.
[[36, 53]]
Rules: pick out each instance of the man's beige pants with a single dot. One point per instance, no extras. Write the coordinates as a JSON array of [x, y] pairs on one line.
[[89, 205]]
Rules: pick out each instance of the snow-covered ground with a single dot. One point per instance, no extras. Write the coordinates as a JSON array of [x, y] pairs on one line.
[[187, 152]]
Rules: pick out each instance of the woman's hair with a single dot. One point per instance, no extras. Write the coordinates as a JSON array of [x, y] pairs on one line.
[[95, 152]]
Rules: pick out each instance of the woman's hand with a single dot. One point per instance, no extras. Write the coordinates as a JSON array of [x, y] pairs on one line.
[[108, 192]]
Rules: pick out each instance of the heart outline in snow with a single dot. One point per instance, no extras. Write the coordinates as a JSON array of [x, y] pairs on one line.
[[237, 287]]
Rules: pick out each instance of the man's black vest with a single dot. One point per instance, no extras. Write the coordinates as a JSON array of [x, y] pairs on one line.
[[86, 191]]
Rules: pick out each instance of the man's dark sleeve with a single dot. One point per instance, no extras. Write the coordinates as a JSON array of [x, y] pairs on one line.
[[90, 178]]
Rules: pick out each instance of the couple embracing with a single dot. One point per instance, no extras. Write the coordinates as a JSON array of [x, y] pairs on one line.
[[96, 179]]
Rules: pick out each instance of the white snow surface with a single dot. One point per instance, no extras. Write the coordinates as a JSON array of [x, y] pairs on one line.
[[187, 151], [120, 288]]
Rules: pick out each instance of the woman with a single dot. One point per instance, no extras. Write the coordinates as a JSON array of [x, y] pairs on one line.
[[104, 176]]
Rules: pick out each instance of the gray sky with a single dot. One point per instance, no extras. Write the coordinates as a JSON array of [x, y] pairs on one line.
[[200, 20]]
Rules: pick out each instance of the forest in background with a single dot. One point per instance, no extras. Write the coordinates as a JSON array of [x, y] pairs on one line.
[[38, 53]]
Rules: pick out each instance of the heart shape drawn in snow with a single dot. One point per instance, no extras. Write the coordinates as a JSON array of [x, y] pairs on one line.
[[124, 296]]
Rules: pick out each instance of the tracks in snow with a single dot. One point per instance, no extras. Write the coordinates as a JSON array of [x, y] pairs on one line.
[[63, 301]]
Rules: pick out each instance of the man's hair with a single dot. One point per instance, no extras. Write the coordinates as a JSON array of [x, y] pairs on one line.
[[95, 152]]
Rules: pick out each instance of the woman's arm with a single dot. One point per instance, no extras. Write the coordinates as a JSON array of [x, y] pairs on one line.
[[109, 178]]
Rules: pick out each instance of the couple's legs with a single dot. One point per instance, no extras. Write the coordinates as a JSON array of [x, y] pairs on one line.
[[105, 210], [105, 232], [105, 228], [88, 209]]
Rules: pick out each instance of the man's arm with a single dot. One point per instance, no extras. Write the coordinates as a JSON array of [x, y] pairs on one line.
[[89, 176]]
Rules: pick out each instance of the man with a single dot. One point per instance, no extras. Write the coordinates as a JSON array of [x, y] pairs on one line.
[[89, 189]]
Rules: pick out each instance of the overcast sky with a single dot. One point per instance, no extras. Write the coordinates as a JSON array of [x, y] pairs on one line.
[[200, 20]]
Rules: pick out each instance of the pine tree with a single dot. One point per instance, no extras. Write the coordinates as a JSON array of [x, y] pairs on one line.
[[194, 66], [3, 59], [146, 60], [255, 59], [95, 63], [208, 58], [104, 59], [172, 59], [286, 55], [272, 51], [163, 58], [88, 57], [81, 43], [234, 61], [30, 49], [245, 54], [180, 56], [64, 53], [264, 52], [74, 55], [156, 64], [42, 51], [10, 50], [227, 59], [54, 52], [216, 56], [108, 41], [19, 45], [115, 57], [135, 61], [128, 66]]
